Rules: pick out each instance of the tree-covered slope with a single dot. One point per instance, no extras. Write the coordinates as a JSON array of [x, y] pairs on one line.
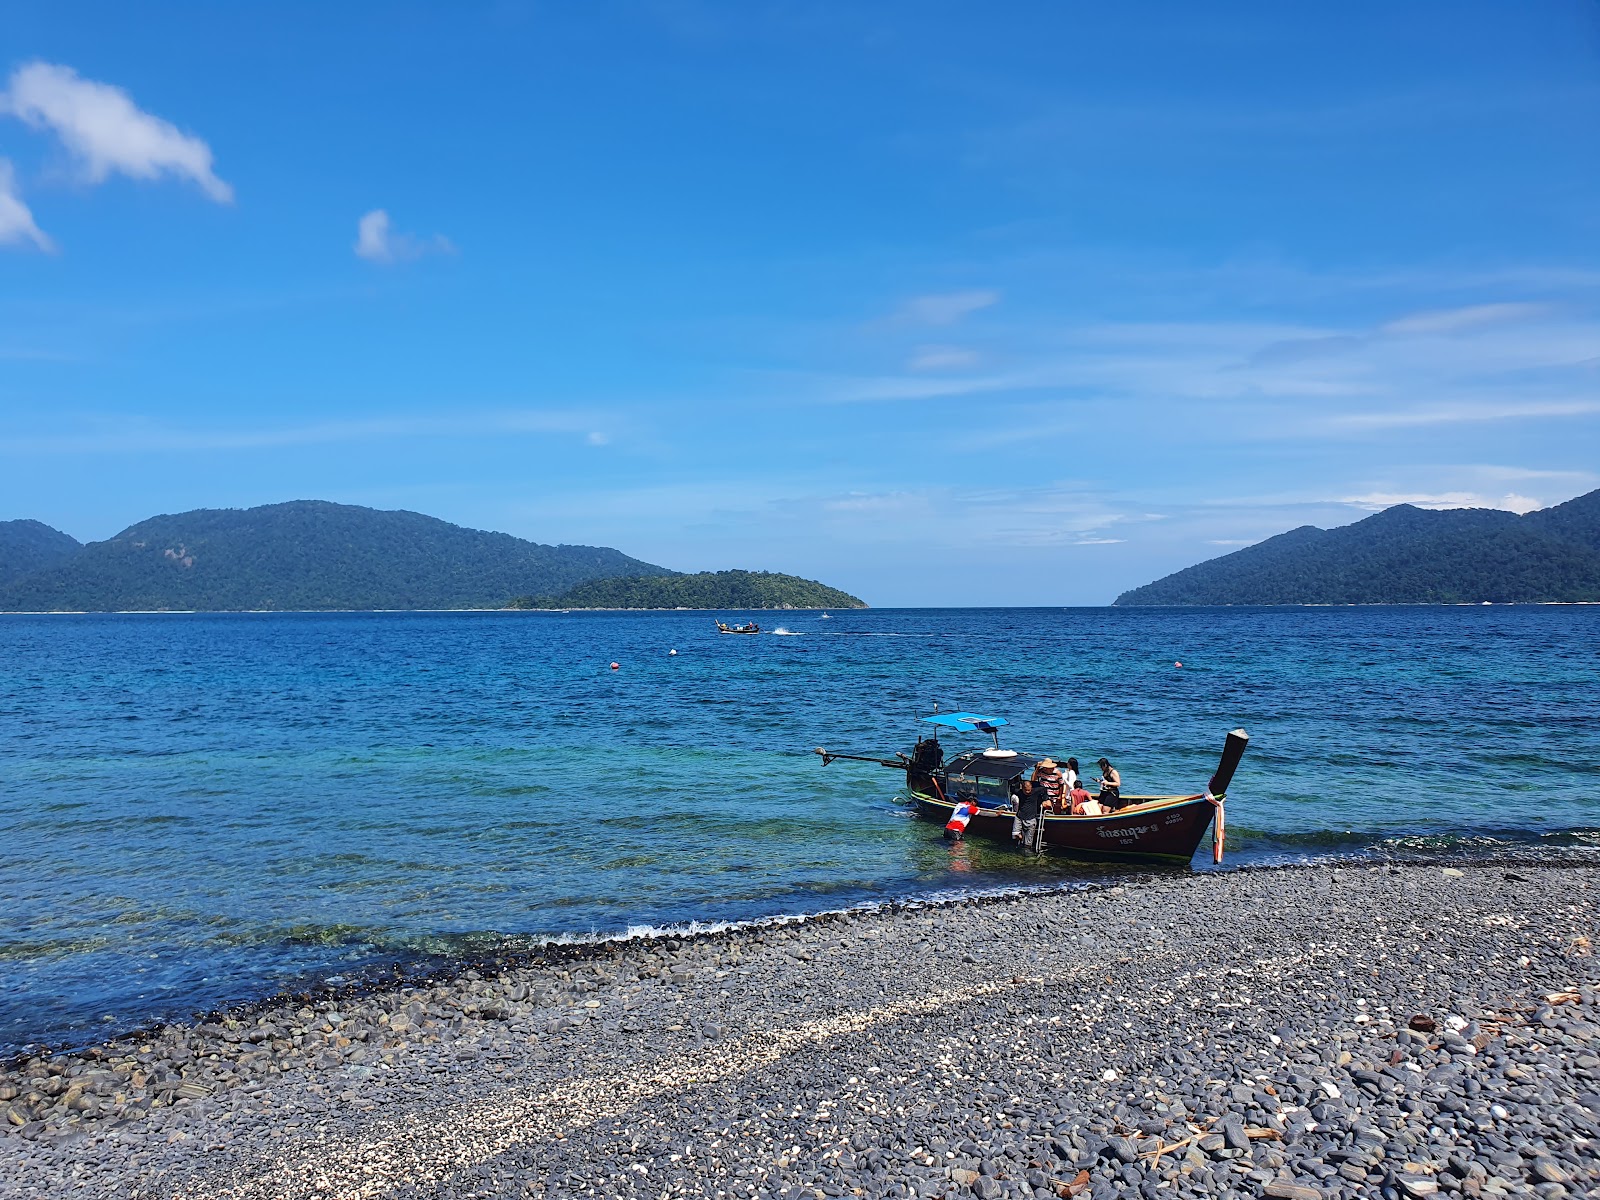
[[1406, 555], [708, 589], [28, 546], [1578, 520], [309, 554]]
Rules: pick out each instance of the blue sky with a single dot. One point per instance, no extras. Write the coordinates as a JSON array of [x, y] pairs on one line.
[[940, 303]]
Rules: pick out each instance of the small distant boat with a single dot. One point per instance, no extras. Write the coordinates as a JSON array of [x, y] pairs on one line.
[[824, 617], [1165, 828], [751, 627]]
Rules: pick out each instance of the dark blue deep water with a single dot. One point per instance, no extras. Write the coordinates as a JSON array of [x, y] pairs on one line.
[[197, 810]]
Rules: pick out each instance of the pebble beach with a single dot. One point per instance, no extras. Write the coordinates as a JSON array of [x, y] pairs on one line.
[[1396, 1031]]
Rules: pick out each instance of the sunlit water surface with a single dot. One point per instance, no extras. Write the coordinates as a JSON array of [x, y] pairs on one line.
[[205, 809]]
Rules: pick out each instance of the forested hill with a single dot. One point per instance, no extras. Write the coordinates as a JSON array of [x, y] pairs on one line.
[[28, 546], [724, 590], [1406, 555], [307, 554]]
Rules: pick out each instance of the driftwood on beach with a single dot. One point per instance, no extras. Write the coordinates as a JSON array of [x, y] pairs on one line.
[[1309, 1033]]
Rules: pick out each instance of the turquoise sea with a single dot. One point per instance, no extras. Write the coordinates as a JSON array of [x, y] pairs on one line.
[[201, 810]]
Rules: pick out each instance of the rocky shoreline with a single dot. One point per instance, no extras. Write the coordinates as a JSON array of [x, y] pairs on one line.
[[1310, 1033]]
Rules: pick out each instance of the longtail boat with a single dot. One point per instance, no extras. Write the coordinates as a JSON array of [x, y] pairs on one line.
[[752, 627], [1165, 828]]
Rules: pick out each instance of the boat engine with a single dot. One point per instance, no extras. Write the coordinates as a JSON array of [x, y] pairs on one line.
[[927, 756]]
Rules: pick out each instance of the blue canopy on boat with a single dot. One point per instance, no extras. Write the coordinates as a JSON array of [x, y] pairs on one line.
[[966, 722]]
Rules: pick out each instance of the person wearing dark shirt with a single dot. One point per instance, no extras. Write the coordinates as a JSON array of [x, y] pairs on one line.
[[1028, 799], [1110, 786]]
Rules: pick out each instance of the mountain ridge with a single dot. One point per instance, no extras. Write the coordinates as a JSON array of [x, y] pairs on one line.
[[306, 554], [27, 546], [1405, 555]]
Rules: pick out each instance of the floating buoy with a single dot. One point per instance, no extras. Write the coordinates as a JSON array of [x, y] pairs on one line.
[[671, 653], [1177, 664], [615, 667]]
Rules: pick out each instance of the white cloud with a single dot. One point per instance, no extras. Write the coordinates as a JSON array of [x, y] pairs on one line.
[[377, 241], [1583, 479], [942, 358], [103, 128], [16, 222], [596, 438], [1458, 320], [1452, 414], [1377, 501], [140, 437], [946, 308]]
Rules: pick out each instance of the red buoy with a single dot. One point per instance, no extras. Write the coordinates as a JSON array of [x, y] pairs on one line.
[[615, 667]]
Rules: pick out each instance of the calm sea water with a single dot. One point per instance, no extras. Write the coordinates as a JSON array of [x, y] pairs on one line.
[[203, 809]]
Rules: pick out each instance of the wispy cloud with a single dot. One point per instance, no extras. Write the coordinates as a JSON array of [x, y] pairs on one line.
[[105, 131], [378, 241], [17, 225], [1522, 362], [1583, 479], [942, 358], [946, 308], [123, 437], [1460, 320], [1455, 414]]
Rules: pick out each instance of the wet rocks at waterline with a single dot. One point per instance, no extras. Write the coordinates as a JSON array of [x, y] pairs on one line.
[[1380, 1031]]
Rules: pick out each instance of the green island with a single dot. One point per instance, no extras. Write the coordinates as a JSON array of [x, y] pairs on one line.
[[1406, 555], [708, 589], [309, 555], [305, 554]]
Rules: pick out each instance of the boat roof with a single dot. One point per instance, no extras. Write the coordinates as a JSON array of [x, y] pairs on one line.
[[990, 765], [966, 722]]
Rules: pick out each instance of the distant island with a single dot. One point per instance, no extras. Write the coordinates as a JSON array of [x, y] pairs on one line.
[[1406, 555], [308, 554], [708, 589]]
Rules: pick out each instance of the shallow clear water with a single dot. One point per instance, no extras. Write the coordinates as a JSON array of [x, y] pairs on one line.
[[203, 809]]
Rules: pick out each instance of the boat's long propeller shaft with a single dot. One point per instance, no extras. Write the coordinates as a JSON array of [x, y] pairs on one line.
[[899, 763]]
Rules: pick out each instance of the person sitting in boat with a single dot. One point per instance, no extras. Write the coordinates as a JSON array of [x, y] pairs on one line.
[[1083, 804], [1028, 800], [1047, 778], [1110, 786]]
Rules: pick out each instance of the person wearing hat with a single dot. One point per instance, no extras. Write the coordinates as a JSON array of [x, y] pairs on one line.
[[1047, 775]]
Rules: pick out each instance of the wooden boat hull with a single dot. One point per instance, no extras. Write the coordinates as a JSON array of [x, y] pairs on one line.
[[1155, 829]]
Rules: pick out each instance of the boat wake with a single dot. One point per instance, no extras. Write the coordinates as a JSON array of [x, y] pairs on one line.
[[780, 631]]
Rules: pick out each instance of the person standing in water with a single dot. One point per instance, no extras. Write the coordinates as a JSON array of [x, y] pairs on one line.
[[1029, 799]]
